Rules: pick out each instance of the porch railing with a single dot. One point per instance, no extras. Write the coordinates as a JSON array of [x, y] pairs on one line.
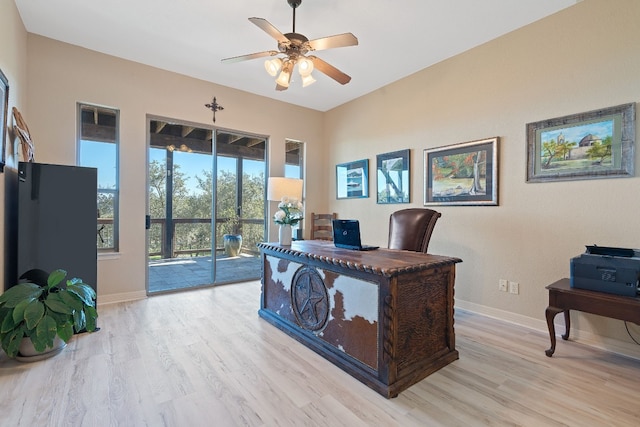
[[190, 236]]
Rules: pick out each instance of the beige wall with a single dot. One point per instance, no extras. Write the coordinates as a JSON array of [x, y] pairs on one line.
[[60, 75], [583, 58], [13, 63]]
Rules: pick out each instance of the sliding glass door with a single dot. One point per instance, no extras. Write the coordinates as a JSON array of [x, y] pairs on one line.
[[206, 206], [240, 205]]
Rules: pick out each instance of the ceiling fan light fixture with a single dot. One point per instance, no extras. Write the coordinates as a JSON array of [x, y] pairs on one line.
[[307, 80], [305, 66], [285, 75], [273, 66]]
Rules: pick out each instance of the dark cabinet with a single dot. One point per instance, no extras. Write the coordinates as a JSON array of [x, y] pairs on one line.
[[57, 220]]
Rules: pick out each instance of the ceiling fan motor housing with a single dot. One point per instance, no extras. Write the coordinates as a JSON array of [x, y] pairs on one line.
[[296, 45]]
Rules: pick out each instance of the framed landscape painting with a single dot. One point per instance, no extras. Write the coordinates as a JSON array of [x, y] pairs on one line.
[[462, 174], [595, 144], [393, 177], [352, 179]]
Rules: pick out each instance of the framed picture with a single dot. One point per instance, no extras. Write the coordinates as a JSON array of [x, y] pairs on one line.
[[4, 106], [462, 174], [595, 144], [352, 179], [393, 177]]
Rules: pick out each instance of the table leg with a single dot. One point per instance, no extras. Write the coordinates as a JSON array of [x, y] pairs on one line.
[[567, 324], [550, 314]]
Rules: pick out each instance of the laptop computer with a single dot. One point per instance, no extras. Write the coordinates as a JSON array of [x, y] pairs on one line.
[[346, 235]]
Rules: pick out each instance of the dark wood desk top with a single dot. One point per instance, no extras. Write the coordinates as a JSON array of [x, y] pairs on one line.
[[383, 262]]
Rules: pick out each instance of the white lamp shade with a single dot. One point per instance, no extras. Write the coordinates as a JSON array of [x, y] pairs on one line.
[[279, 187], [285, 75], [273, 66], [284, 78], [305, 66], [307, 80]]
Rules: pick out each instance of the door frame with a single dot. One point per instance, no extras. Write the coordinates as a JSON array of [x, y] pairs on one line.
[[215, 131]]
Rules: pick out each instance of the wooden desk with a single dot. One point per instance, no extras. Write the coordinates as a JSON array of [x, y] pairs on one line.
[[384, 316], [562, 298]]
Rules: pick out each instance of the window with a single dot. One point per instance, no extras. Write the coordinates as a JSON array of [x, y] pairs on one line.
[[294, 159], [98, 145], [293, 168]]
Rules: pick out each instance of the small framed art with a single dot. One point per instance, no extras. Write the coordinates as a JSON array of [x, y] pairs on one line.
[[393, 177], [462, 174], [352, 179]]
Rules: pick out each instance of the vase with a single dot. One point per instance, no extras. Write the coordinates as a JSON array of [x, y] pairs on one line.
[[284, 235], [232, 244]]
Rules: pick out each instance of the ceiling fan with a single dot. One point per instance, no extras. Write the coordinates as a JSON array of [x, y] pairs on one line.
[[294, 47]]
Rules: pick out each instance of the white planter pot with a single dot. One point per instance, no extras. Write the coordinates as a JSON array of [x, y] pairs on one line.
[[27, 353]]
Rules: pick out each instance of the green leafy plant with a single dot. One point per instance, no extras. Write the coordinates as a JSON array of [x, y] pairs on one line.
[[43, 311]]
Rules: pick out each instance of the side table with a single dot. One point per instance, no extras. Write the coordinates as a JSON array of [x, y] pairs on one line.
[[562, 298]]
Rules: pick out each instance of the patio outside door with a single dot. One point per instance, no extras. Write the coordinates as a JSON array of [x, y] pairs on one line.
[[185, 246]]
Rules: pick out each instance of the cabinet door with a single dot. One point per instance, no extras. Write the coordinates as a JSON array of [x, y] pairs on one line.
[[57, 220]]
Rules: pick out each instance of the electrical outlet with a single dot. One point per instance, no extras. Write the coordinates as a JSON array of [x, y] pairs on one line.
[[514, 288], [502, 285]]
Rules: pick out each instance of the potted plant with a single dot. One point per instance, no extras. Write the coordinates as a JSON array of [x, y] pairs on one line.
[[289, 213], [232, 241], [45, 312]]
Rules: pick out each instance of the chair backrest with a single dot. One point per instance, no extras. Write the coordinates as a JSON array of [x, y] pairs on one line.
[[410, 229], [321, 226]]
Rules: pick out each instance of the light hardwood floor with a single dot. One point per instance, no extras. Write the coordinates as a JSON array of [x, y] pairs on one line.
[[205, 358]]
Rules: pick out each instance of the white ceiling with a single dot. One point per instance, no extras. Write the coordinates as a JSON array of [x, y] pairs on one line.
[[396, 38]]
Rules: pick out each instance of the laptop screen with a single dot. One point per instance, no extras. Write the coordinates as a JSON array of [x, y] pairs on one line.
[[346, 233]]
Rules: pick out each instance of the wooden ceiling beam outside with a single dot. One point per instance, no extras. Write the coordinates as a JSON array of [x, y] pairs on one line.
[[254, 141], [159, 140], [234, 138], [94, 132], [160, 126], [227, 145], [186, 131]]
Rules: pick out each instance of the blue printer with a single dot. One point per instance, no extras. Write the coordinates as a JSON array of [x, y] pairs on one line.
[[607, 269]]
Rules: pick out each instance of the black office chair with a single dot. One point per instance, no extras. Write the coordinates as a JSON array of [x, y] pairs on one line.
[[411, 229]]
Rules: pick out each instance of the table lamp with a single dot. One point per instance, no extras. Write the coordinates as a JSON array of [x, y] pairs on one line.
[[278, 187]]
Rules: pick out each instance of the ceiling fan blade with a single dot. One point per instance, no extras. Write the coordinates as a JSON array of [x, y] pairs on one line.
[[329, 70], [269, 29], [339, 40], [251, 56]]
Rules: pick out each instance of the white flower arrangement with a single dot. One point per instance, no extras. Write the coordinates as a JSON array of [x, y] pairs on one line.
[[289, 212]]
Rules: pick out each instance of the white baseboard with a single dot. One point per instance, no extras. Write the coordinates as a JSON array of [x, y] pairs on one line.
[[584, 337], [123, 297]]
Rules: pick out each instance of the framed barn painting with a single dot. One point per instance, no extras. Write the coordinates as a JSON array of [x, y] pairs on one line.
[[595, 144], [393, 177], [462, 174]]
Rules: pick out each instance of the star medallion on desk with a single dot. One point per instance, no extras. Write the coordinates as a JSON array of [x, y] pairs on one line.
[[309, 299]]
